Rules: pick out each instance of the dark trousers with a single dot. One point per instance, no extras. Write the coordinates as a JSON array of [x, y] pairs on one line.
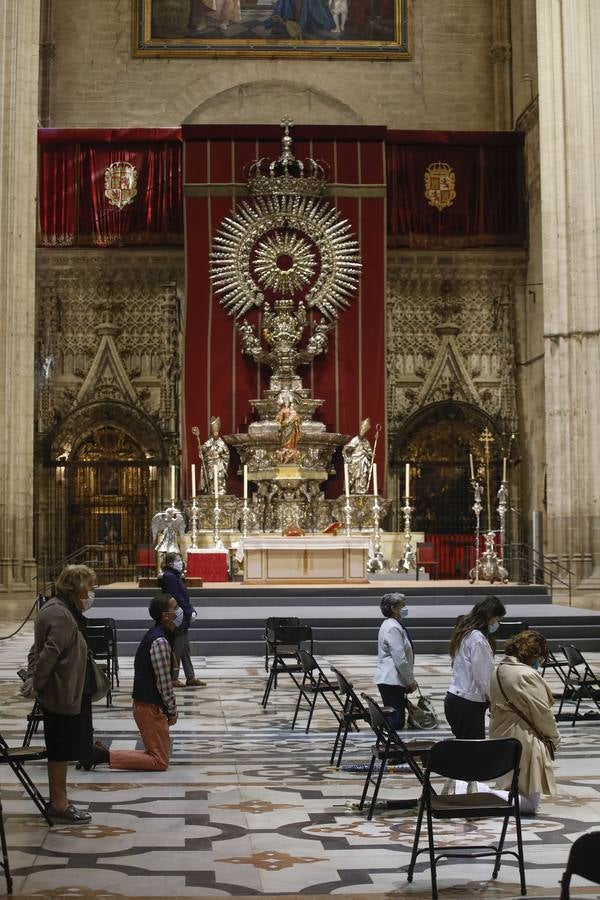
[[466, 718], [394, 695], [182, 653]]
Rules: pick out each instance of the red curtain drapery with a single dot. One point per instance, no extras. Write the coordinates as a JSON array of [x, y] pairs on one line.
[[72, 207], [350, 379], [489, 206]]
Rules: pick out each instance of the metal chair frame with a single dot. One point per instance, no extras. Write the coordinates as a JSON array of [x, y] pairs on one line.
[[389, 747], [16, 757], [470, 761], [317, 685], [284, 645], [5, 861], [582, 683], [582, 861], [354, 711]]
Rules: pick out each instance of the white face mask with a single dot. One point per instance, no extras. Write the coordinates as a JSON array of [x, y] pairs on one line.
[[177, 565], [178, 617], [88, 601]]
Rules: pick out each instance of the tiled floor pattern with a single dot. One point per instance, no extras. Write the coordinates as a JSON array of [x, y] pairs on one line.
[[249, 807]]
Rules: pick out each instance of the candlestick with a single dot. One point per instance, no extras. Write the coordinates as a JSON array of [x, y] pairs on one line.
[[472, 467], [504, 469], [374, 479], [216, 481], [193, 479], [245, 482], [346, 480], [407, 480], [173, 494]]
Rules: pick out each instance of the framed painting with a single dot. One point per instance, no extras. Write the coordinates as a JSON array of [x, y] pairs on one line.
[[108, 528], [308, 29]]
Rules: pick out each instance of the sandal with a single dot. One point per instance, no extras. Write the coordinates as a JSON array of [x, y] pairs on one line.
[[71, 814]]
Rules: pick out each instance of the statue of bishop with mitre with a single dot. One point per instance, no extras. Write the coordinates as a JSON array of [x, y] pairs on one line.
[[358, 454]]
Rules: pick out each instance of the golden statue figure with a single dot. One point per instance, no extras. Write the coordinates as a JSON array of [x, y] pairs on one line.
[[358, 453], [290, 429]]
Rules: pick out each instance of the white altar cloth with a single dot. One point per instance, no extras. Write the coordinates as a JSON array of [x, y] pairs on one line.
[[331, 558]]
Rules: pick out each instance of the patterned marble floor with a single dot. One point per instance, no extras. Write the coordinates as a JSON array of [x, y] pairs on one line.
[[249, 807]]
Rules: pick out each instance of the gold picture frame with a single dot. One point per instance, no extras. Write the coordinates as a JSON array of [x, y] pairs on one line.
[[300, 29]]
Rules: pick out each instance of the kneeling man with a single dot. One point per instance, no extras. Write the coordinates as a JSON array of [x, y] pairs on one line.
[[154, 706]]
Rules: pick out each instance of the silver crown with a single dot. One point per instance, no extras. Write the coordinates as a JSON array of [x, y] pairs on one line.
[[286, 175]]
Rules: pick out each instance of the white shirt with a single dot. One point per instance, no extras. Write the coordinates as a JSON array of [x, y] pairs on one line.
[[472, 668], [394, 655]]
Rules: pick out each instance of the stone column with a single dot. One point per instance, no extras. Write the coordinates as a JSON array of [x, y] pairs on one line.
[[569, 92], [500, 52], [19, 57]]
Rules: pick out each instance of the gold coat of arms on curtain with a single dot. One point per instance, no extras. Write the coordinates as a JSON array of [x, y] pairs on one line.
[[440, 184], [120, 184]]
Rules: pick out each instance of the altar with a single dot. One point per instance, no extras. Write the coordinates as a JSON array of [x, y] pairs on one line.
[[312, 558]]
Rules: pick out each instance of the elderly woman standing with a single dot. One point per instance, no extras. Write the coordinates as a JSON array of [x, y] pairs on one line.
[[395, 676], [521, 708], [60, 674]]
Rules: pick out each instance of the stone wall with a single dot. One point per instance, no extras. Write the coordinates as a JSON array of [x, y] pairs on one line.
[[94, 80]]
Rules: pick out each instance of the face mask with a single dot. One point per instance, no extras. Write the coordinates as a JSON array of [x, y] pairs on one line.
[[177, 565], [88, 601], [493, 626], [404, 612], [178, 621], [536, 664]]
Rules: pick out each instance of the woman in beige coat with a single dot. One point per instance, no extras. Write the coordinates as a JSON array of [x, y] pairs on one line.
[[521, 708]]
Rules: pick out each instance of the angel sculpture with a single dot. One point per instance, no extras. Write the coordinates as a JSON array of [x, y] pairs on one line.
[[168, 524]]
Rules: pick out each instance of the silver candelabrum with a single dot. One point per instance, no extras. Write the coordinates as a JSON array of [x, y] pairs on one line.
[[348, 516], [477, 507], [194, 521], [502, 510], [408, 559], [217, 524], [245, 517], [376, 562]]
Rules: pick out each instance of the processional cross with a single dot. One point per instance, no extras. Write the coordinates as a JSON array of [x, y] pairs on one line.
[[487, 440]]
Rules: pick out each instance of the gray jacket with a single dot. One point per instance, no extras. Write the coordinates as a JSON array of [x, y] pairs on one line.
[[58, 659]]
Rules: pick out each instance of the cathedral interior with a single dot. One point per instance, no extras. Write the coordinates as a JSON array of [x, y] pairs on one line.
[[454, 140]]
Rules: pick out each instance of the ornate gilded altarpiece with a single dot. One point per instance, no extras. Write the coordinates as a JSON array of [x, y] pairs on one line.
[[315, 29]]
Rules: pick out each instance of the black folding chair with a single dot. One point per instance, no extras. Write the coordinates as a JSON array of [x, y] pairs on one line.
[[270, 635], [581, 683], [33, 722], [114, 648], [354, 711], [470, 761], [559, 667], [584, 860], [16, 757], [507, 629], [316, 683], [5, 862], [101, 643], [389, 748], [285, 644]]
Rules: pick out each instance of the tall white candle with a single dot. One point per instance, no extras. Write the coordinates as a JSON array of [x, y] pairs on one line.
[[374, 479], [216, 481], [245, 482], [173, 495], [472, 467], [407, 480], [346, 480], [193, 479], [504, 469]]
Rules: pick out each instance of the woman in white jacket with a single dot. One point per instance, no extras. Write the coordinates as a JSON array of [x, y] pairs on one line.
[[472, 666], [395, 659]]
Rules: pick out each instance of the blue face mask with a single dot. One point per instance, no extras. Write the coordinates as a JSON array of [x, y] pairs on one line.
[[536, 664], [178, 617], [404, 612], [493, 626]]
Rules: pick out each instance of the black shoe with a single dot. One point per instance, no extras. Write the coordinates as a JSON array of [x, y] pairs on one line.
[[100, 756]]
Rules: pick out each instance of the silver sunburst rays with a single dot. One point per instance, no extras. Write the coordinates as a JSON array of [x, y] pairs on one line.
[[299, 247]]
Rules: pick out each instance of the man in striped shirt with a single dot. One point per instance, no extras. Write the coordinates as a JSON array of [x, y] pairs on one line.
[[154, 706]]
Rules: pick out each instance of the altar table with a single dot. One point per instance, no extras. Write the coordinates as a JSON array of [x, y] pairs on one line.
[[210, 564], [310, 558]]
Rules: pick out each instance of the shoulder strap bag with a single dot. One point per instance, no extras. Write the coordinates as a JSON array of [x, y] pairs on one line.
[[541, 737]]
